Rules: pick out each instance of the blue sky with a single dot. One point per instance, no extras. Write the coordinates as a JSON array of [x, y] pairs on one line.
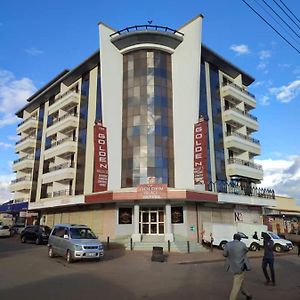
[[38, 39]]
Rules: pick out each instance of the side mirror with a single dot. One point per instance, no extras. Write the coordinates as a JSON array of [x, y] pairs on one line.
[[66, 236]]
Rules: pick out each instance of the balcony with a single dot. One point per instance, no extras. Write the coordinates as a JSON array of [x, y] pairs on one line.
[[65, 101], [24, 164], [60, 193], [63, 124], [59, 173], [231, 90], [21, 184], [243, 168], [28, 125], [63, 148], [238, 118], [26, 144], [239, 143]]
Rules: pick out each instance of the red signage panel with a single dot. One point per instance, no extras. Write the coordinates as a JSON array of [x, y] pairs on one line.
[[100, 158], [200, 152]]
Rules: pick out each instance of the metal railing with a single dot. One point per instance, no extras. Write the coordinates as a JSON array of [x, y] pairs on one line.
[[241, 112], [24, 178], [23, 158], [239, 161], [64, 140], [66, 192], [146, 27], [25, 138], [243, 136], [73, 90], [65, 116], [239, 88], [60, 167], [239, 188], [27, 120]]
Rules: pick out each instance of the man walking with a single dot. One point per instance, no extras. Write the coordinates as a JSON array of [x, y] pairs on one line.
[[237, 262], [268, 259]]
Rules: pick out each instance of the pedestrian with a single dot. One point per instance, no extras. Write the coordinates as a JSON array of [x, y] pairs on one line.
[[268, 259], [237, 262], [255, 236]]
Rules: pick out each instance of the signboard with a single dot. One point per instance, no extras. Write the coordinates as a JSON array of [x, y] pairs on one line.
[[100, 158], [200, 152], [152, 191]]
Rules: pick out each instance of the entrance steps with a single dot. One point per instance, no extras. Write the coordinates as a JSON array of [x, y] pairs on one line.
[[148, 242]]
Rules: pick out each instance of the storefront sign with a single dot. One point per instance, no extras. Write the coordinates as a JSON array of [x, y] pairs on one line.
[[200, 152], [100, 161], [152, 191]]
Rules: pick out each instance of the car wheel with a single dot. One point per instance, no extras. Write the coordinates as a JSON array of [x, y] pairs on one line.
[[23, 239], [69, 257], [37, 241], [222, 245], [254, 247], [50, 252], [277, 248]]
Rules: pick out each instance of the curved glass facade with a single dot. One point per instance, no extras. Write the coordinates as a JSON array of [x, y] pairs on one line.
[[147, 124]]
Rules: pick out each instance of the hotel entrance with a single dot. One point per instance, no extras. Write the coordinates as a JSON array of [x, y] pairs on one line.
[[152, 221]]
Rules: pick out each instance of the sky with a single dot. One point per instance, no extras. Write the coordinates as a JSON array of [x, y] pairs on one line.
[[39, 39]]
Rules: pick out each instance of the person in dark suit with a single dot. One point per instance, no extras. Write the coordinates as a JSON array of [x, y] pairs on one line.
[[268, 259], [237, 262]]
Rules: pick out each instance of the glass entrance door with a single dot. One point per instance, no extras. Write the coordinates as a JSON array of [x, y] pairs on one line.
[[152, 221]]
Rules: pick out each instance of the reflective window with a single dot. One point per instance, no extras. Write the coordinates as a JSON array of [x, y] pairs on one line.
[[147, 143]]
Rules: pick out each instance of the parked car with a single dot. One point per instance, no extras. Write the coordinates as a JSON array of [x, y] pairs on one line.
[[17, 229], [35, 233], [4, 230], [74, 242], [279, 243]]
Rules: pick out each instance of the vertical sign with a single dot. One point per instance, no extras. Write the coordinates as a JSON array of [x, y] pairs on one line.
[[100, 158], [200, 152]]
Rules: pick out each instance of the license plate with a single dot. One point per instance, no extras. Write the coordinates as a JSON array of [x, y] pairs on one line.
[[91, 254]]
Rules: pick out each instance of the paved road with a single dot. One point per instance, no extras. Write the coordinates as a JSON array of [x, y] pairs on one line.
[[27, 273]]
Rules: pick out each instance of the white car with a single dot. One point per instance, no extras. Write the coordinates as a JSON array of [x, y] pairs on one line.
[[279, 243], [4, 230]]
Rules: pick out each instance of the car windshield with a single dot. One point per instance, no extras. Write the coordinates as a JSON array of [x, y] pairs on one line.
[[274, 236], [82, 233]]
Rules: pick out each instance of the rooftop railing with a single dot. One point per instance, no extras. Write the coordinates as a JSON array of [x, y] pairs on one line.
[[146, 27]]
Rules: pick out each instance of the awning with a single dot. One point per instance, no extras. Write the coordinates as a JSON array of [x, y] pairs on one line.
[[13, 207]]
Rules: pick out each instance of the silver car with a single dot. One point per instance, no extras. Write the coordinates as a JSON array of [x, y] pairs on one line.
[[74, 242]]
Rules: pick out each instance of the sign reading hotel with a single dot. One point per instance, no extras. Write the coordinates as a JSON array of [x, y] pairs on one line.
[[100, 158], [152, 191], [200, 152]]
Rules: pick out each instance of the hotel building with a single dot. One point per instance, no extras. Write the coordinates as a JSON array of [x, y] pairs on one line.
[[149, 136]]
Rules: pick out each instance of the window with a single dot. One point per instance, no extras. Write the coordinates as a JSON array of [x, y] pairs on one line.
[[125, 215], [177, 215]]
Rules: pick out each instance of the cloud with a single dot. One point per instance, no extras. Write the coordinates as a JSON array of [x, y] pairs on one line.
[[5, 194], [265, 100], [240, 49], [286, 93], [13, 138], [13, 95], [282, 175], [34, 51], [5, 145], [264, 54]]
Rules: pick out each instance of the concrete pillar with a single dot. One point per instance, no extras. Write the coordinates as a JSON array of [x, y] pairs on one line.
[[168, 230], [136, 236]]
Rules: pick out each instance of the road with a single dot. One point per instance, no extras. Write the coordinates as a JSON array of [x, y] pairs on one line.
[[28, 273]]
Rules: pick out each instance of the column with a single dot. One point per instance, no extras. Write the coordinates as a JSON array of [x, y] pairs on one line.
[[136, 236], [168, 229]]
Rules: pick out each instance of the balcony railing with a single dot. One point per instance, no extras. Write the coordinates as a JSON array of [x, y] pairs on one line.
[[62, 118], [73, 90], [23, 158], [245, 137], [59, 193], [244, 163], [238, 188], [25, 138], [239, 88], [27, 120], [64, 140], [60, 167], [241, 112], [25, 178]]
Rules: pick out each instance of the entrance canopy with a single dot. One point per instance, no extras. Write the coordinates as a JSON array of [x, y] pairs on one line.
[[13, 207]]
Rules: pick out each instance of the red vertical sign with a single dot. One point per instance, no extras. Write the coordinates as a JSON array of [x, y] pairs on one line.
[[100, 158], [200, 152]]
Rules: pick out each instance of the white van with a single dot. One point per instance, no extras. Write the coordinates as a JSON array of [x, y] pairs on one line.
[[223, 233]]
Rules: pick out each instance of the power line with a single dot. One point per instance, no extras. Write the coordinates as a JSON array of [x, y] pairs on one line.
[[286, 13], [277, 22], [270, 25], [281, 18]]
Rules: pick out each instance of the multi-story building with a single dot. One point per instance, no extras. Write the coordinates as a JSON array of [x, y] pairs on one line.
[[151, 135]]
